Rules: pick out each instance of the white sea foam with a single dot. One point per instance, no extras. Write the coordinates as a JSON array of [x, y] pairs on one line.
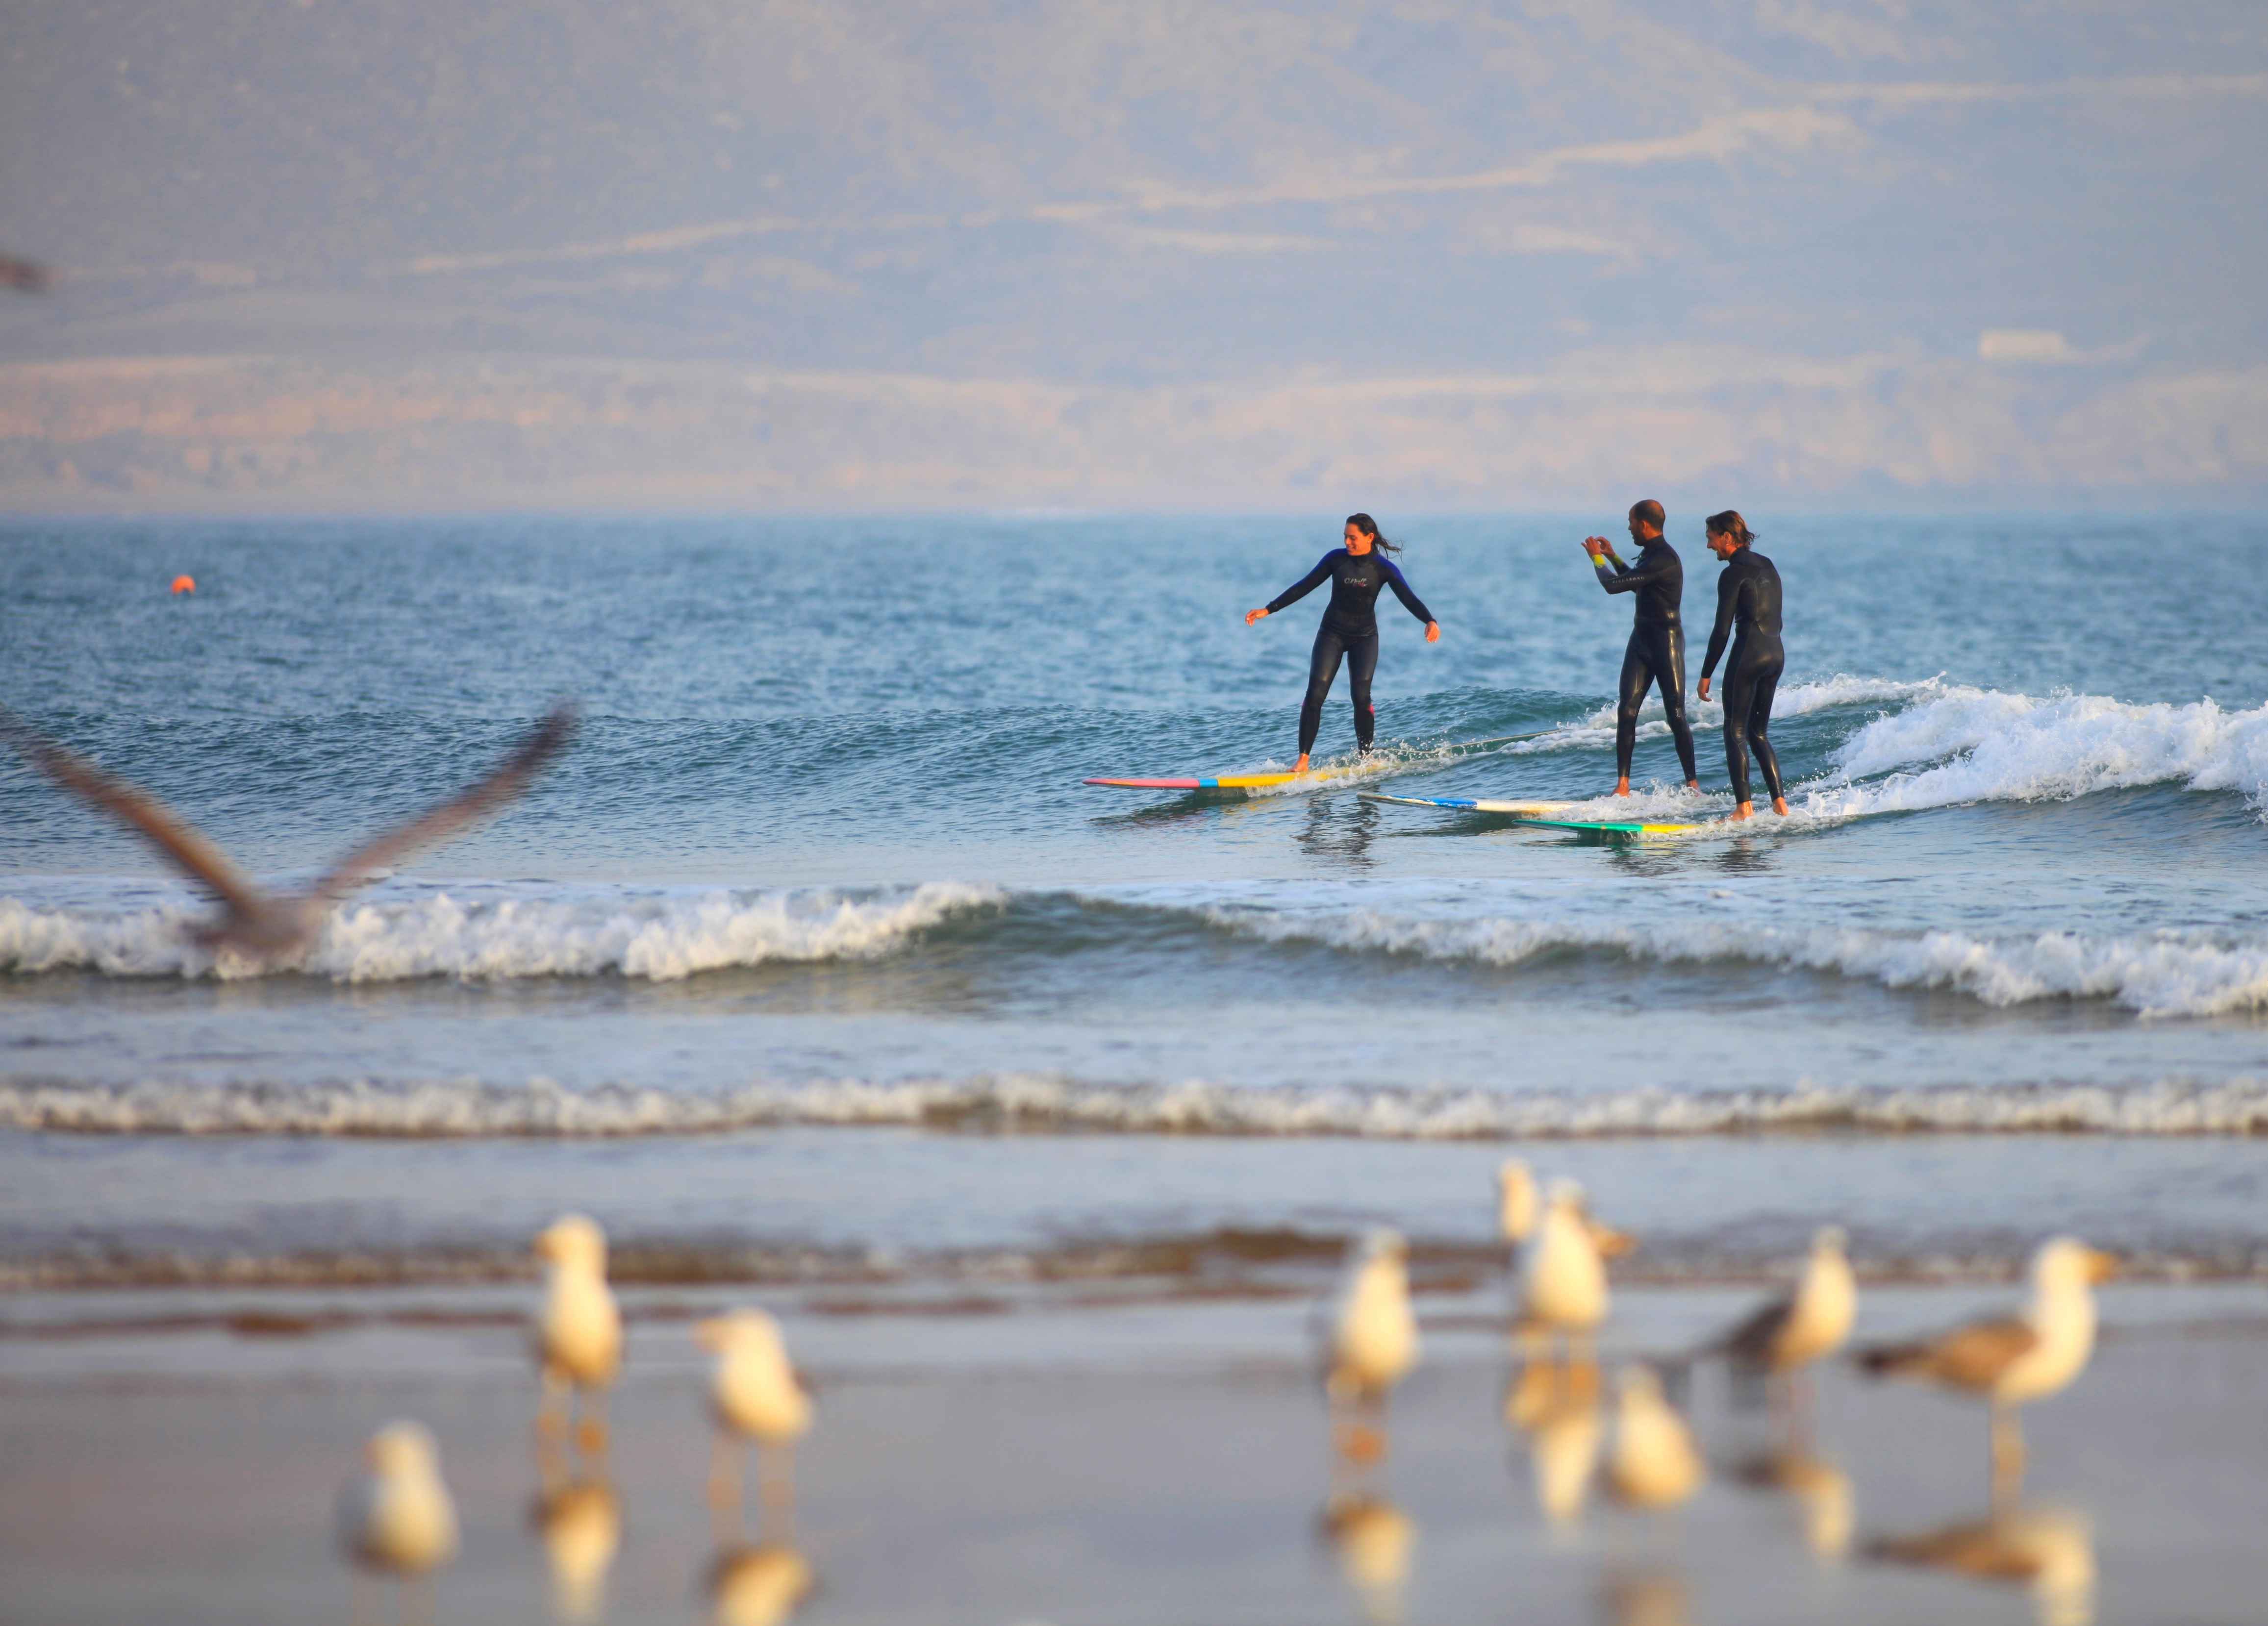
[[1795, 700], [660, 937], [464, 1108], [2164, 974], [1971, 745]]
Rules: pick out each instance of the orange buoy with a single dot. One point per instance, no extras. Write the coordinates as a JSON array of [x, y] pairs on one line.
[[185, 584]]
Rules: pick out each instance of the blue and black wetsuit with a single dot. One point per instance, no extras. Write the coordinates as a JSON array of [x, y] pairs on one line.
[[1655, 654], [1350, 629], [1747, 595]]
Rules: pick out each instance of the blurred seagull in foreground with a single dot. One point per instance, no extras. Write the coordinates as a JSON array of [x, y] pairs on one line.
[[756, 1396], [1518, 1208], [1373, 1340], [395, 1517], [1655, 1462], [2010, 1360], [254, 923], [578, 1335], [1563, 1279], [1801, 1326]]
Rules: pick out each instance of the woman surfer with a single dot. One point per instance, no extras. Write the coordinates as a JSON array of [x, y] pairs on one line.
[[1350, 629], [1748, 597]]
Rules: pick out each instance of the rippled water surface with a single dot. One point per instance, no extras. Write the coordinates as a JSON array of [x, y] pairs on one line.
[[821, 853]]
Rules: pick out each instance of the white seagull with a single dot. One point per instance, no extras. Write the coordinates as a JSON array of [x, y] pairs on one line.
[[1563, 1279], [395, 1517], [578, 1334], [255, 924], [1807, 1322], [2014, 1359], [756, 1397]]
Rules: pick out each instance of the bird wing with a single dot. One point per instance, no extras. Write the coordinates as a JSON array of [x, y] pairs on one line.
[[359, 867], [1975, 1356], [1752, 1339], [187, 848]]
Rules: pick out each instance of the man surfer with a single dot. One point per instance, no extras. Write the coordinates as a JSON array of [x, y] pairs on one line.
[[1655, 654], [1350, 629], [1747, 595]]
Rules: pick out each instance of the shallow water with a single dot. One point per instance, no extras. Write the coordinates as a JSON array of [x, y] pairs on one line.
[[821, 856]]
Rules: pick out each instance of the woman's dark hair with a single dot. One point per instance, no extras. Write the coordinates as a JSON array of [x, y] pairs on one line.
[[1368, 526], [1730, 524]]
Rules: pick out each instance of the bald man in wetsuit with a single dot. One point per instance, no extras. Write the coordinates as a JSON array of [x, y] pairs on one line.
[[1655, 655]]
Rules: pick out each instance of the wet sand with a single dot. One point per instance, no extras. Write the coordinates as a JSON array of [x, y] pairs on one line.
[[1162, 1462]]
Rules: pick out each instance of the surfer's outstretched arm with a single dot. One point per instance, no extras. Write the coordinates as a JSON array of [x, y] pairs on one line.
[[1297, 591], [1410, 601]]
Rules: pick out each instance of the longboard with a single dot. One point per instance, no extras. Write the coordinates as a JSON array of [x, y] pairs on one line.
[[1467, 804], [1226, 782], [1622, 829]]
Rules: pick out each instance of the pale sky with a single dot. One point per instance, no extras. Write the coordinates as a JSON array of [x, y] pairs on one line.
[[844, 254]]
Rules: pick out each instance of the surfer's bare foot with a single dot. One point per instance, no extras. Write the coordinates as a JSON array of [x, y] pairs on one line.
[[1746, 810], [1779, 805], [1692, 784], [1621, 785], [1300, 767]]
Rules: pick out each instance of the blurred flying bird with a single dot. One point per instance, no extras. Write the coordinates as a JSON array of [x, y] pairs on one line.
[[25, 275], [2014, 1359], [578, 1334], [1655, 1462], [1372, 1339], [254, 923], [395, 1517], [756, 1397]]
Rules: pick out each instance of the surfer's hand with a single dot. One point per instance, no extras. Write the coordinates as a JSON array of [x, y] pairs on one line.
[[1595, 545], [1432, 632], [1704, 689], [1253, 615]]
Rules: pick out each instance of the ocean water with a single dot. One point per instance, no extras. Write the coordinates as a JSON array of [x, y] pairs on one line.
[[815, 955]]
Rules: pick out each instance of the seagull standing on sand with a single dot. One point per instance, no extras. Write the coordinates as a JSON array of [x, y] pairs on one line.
[[395, 1517], [1655, 1462], [1563, 1282], [579, 1337], [756, 1397], [254, 924], [2011, 1360], [1373, 1340], [1801, 1326]]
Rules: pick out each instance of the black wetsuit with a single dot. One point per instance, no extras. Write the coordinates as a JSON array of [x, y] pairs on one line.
[[1748, 595], [1656, 652], [1350, 629]]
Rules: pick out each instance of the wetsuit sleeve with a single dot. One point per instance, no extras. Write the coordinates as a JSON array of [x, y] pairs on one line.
[[1729, 583], [1616, 576], [1305, 585], [1410, 600]]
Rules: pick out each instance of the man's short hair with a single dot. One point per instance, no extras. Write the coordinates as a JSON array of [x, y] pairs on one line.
[[1647, 512]]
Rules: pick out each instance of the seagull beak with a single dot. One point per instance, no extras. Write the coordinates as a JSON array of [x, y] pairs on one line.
[[2101, 1267], [710, 1334]]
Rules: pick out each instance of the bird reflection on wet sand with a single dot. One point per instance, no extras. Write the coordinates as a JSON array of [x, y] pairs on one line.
[[1826, 1506], [2048, 1550], [1374, 1540], [1644, 1598], [580, 1524], [1556, 1405], [758, 1585]]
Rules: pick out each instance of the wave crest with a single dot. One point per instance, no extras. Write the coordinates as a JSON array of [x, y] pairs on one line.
[[659, 937], [464, 1109]]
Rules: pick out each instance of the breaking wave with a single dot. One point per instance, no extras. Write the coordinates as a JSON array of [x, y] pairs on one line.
[[466, 1109], [660, 936]]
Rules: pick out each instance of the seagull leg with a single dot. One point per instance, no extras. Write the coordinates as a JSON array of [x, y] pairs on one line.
[[2007, 1454], [592, 1435], [551, 1410], [724, 1472], [776, 1487]]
